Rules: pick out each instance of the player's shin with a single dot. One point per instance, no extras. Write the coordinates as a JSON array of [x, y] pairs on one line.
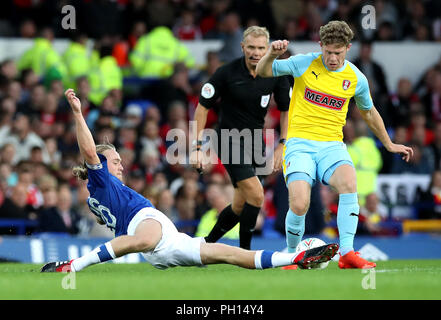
[[101, 254], [264, 259], [347, 221], [294, 229]]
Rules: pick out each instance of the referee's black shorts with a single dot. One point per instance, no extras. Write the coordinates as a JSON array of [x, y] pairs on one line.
[[241, 156]]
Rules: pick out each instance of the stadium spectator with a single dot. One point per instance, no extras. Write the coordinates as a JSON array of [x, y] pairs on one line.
[[36, 100], [186, 203], [369, 221], [212, 62], [185, 27], [166, 204], [42, 57], [418, 164], [15, 205], [428, 202], [398, 110], [367, 161], [149, 137], [19, 134], [432, 99], [7, 153], [133, 115], [217, 199], [76, 58], [105, 115], [385, 32], [416, 18], [8, 108], [157, 52], [8, 68], [105, 75], [232, 34], [127, 136], [436, 146], [54, 215], [176, 112], [375, 75]]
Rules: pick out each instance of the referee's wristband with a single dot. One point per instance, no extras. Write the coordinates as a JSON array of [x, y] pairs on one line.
[[282, 141]]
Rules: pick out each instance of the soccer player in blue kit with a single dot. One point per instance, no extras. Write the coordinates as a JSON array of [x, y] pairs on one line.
[[140, 228]]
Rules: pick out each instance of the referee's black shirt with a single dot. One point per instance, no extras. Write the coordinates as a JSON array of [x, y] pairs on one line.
[[244, 100]]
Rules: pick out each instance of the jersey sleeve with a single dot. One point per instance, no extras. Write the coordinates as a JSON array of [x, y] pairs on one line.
[[294, 65], [98, 174], [362, 95], [281, 93], [212, 89]]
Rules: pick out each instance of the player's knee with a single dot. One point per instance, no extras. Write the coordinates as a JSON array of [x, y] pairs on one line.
[[299, 206], [347, 186], [144, 244], [256, 197]]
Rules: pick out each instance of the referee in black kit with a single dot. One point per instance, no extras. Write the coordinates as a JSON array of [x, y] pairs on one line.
[[243, 99]]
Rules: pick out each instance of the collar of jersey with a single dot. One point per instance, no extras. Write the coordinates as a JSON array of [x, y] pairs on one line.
[[338, 70]]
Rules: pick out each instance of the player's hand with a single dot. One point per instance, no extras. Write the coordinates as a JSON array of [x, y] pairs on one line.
[[196, 160], [278, 158], [278, 47], [74, 102], [406, 152]]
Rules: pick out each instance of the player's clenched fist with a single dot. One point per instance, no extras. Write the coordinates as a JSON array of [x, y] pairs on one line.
[[279, 47], [74, 102]]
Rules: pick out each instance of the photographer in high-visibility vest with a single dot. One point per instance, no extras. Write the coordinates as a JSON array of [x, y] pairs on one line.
[[156, 53], [367, 161], [42, 57], [105, 75], [76, 59]]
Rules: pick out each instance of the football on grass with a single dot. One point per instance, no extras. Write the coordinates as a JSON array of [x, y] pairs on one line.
[[310, 243]]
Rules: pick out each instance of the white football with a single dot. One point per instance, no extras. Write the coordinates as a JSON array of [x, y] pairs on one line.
[[310, 243]]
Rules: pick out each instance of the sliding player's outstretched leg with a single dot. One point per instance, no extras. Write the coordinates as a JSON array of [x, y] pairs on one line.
[[216, 253]]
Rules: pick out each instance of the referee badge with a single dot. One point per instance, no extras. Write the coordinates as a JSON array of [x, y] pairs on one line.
[[207, 91], [264, 100], [346, 84]]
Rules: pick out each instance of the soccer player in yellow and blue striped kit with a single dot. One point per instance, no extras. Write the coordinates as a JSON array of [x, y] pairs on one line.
[[324, 84]]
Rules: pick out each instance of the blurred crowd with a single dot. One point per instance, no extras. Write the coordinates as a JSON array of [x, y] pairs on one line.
[[215, 19], [38, 146]]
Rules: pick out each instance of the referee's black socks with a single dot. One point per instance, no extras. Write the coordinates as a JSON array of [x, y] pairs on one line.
[[225, 222], [248, 219]]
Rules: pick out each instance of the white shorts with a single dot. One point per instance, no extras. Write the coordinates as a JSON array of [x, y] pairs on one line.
[[174, 248]]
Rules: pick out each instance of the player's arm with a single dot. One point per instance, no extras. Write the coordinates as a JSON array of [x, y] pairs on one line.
[[376, 124], [200, 117], [265, 65], [278, 158], [84, 136]]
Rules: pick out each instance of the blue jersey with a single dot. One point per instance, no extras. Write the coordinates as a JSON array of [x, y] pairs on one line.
[[110, 200]]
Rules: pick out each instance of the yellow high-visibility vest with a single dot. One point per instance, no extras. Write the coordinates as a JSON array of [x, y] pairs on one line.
[[156, 53]]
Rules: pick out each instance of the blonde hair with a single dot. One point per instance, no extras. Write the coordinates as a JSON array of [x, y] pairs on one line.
[[256, 31], [336, 32], [80, 171]]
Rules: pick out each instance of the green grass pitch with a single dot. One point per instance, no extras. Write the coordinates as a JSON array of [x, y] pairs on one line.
[[395, 279]]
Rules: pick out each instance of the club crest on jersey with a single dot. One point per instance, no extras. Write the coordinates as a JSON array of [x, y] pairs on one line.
[[346, 84], [323, 99]]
